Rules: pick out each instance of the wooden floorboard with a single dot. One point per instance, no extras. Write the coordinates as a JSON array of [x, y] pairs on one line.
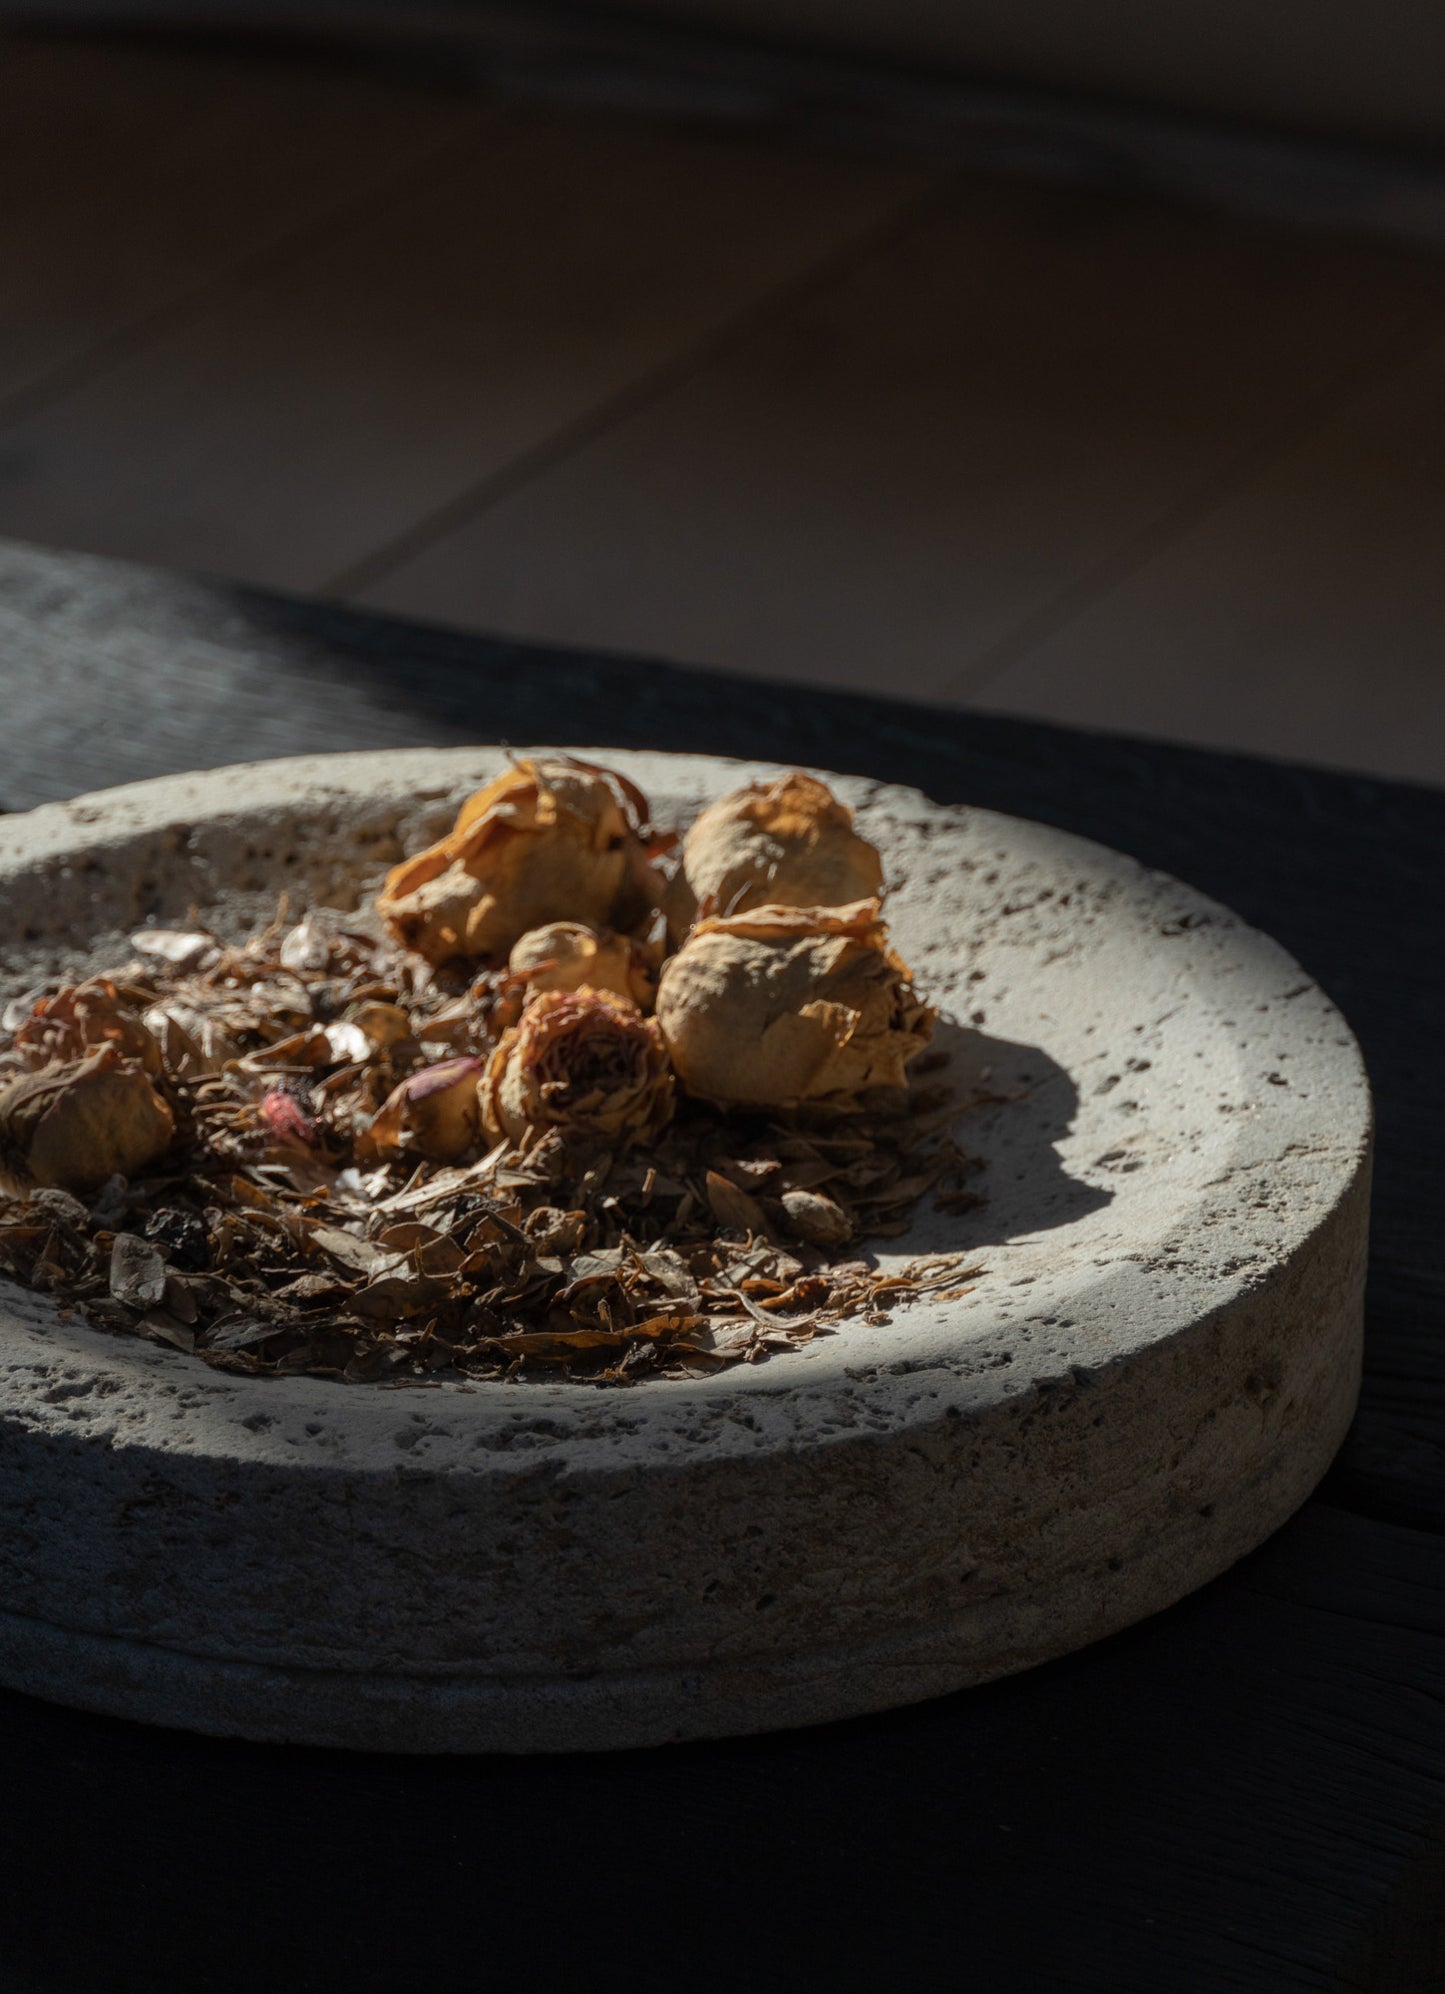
[[888, 482], [1303, 616], [134, 177], [338, 391], [621, 382]]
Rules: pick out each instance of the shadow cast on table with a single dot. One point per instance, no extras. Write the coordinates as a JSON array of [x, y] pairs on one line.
[[1158, 1811]]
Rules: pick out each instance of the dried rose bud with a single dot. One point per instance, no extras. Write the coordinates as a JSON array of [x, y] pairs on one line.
[[787, 843], [565, 955], [73, 1021], [76, 1123], [433, 1113], [583, 1063], [550, 840], [789, 1004]]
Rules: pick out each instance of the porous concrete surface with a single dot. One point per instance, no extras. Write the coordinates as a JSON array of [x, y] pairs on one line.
[[1152, 1373]]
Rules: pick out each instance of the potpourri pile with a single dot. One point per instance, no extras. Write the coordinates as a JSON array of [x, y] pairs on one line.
[[581, 1102]]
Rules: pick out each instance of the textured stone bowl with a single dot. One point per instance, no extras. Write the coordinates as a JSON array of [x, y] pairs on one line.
[[1153, 1372]]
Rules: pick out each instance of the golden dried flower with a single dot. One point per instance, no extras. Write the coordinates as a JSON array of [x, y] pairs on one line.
[[75, 1020], [75, 1123], [582, 1062], [433, 1113], [790, 1004], [565, 955], [552, 839], [786, 843]]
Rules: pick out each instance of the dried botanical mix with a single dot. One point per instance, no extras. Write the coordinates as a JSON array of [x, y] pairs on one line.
[[503, 1133]]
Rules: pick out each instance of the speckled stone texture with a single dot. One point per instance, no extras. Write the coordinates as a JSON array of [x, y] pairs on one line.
[[1153, 1372]]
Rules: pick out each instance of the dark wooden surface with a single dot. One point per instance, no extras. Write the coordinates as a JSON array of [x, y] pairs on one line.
[[1246, 1793]]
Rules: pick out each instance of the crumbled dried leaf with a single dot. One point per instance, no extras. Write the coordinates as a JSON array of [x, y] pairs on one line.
[[816, 1218], [181, 949], [137, 1272]]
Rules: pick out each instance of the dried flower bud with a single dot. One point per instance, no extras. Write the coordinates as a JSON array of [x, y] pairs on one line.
[[789, 1004], [787, 843], [550, 840], [565, 955], [583, 1063], [73, 1021], [433, 1113], [78, 1122], [288, 1120]]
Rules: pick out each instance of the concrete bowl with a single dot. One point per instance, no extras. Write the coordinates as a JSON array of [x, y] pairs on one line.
[[1150, 1376]]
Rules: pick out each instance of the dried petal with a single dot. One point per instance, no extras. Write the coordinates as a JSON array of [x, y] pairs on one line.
[[566, 955], [787, 1004], [137, 1272], [732, 1206], [76, 1123], [384, 1024], [583, 1063], [816, 1219], [192, 1043], [182, 949], [84, 1015], [348, 1042], [308, 946], [432, 1113], [550, 840], [786, 843]]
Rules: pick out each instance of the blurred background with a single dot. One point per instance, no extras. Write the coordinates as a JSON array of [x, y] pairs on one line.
[[1083, 364]]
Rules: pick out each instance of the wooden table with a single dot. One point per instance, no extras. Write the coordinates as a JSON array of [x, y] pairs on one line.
[[1245, 1793]]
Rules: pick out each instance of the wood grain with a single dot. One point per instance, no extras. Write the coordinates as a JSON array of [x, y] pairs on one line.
[[891, 479], [339, 390], [134, 177], [1303, 614]]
